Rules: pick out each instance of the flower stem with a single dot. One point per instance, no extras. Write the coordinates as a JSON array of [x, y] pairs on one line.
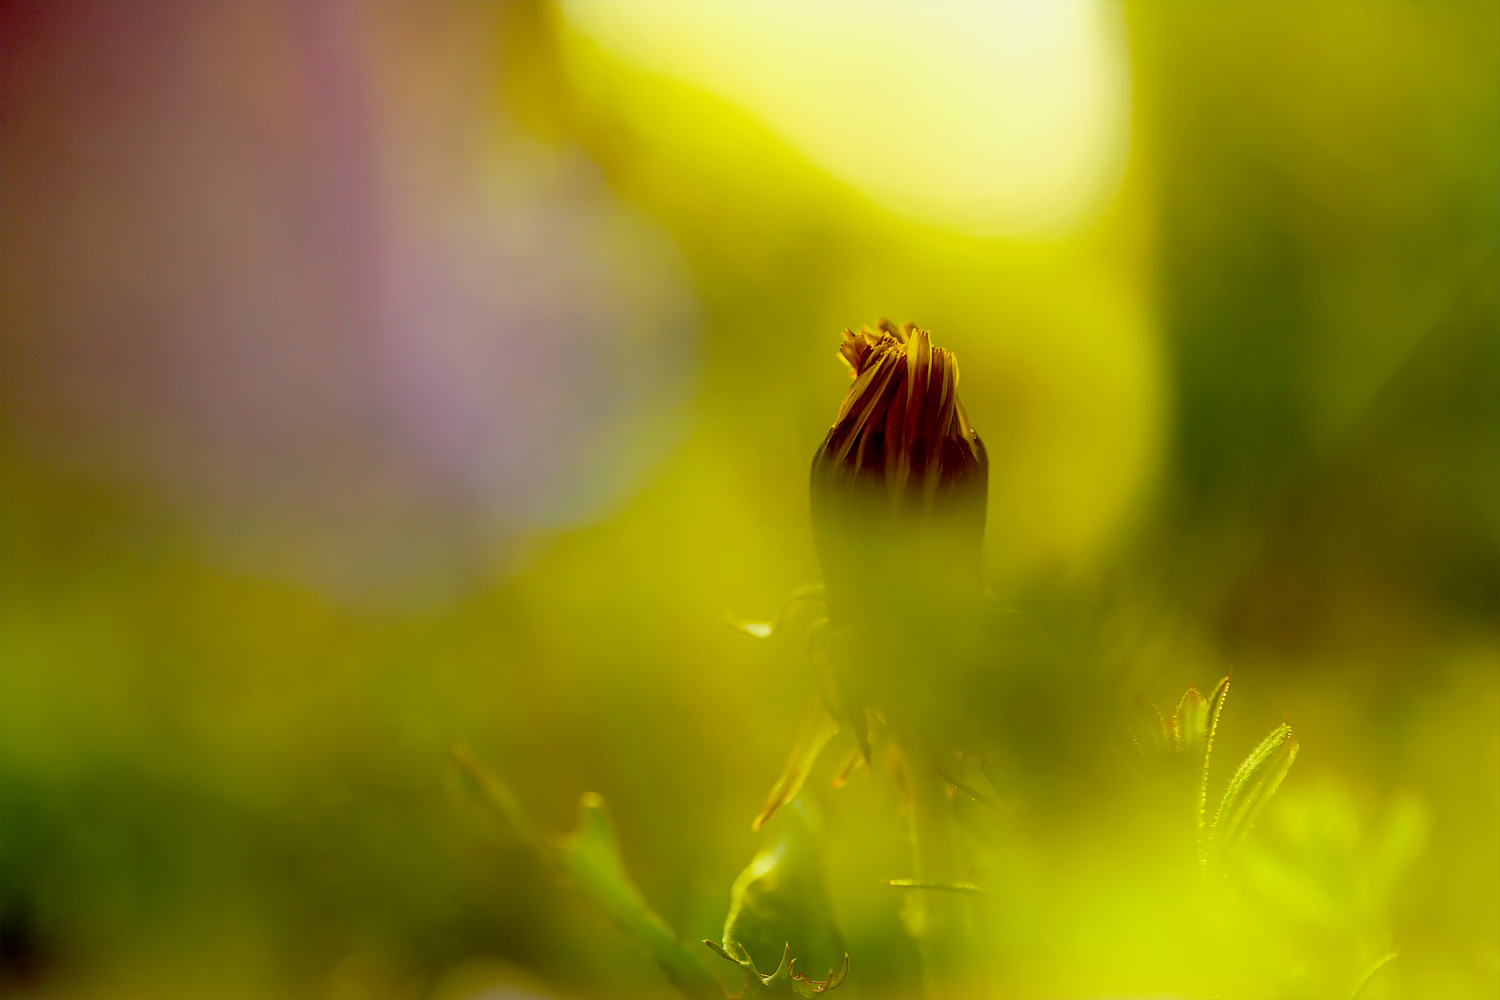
[[941, 922]]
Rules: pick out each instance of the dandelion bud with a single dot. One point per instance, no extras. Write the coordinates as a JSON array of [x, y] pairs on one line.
[[900, 482]]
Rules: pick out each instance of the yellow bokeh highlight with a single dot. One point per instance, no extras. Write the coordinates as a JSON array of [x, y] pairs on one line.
[[986, 118]]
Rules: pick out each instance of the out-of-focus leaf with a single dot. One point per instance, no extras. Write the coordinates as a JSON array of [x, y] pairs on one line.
[[849, 712], [1250, 789], [856, 757], [812, 592], [1190, 723], [1364, 981], [1152, 729], [589, 858], [908, 883], [501, 801], [813, 733], [971, 790], [779, 906], [1401, 839], [761, 630]]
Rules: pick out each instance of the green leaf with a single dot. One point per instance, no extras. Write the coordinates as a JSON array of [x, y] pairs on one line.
[[1215, 708], [779, 906], [968, 888], [813, 733], [812, 592], [857, 758], [1364, 981], [590, 859], [501, 801], [781, 897], [1153, 731], [761, 630], [1190, 723], [1250, 789], [785, 981], [971, 790]]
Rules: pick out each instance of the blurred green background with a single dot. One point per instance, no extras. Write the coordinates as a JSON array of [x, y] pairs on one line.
[[379, 376]]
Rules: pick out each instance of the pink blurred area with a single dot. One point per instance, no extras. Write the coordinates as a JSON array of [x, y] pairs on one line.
[[295, 273]]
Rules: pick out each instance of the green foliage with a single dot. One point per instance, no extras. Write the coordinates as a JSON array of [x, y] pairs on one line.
[[813, 733], [1380, 963], [1215, 707], [1250, 790], [1188, 735], [811, 593], [1247, 412], [781, 897], [589, 859], [784, 981], [779, 910], [968, 888]]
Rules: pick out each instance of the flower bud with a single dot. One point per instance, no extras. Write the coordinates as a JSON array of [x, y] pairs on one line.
[[899, 484]]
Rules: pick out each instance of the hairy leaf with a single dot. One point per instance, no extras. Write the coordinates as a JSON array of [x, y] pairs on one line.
[[1250, 789], [1153, 731], [1215, 708], [1190, 723]]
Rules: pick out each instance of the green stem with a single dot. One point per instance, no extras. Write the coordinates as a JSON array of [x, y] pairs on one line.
[[942, 922]]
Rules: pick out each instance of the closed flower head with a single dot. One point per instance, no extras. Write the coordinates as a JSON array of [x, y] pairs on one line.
[[899, 484]]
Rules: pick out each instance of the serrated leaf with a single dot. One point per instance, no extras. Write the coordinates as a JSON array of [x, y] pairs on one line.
[[781, 897], [1250, 789], [806, 987], [779, 906], [813, 733], [785, 981]]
